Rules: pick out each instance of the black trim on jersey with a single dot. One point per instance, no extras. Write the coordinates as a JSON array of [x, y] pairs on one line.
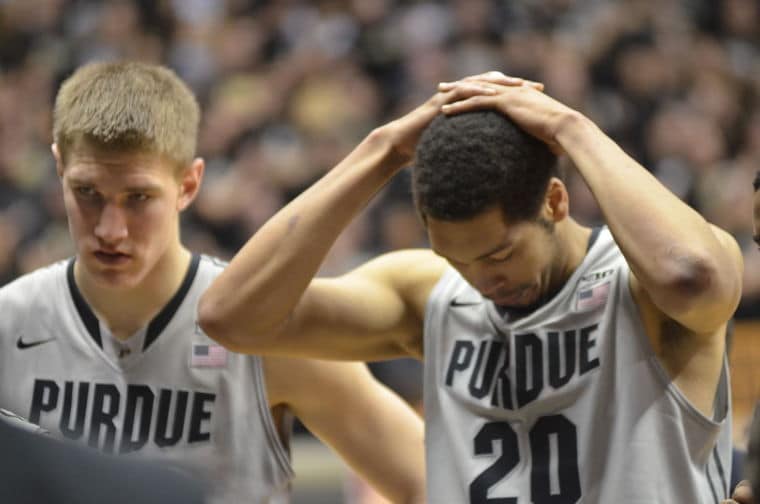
[[85, 313], [161, 320], [710, 482], [594, 235], [156, 325], [721, 472]]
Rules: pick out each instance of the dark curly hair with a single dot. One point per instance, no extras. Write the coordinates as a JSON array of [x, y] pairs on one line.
[[467, 163]]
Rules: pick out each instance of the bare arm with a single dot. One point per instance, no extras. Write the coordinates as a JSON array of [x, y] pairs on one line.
[[689, 269], [266, 298], [369, 426], [374, 312]]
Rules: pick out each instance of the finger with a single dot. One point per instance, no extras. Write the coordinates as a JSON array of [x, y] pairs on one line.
[[447, 86], [492, 77], [495, 76], [476, 102], [464, 90], [535, 85], [499, 78]]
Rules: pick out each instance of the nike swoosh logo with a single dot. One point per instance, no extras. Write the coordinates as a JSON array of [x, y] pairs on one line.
[[456, 303], [23, 345]]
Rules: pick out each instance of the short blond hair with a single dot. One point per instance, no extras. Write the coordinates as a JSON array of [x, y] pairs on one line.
[[129, 106]]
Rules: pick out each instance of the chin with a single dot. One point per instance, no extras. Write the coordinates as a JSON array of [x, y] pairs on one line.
[[516, 306], [116, 279], [528, 297]]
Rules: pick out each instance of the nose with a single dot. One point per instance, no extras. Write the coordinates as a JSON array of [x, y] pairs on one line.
[[486, 281], [112, 224], [488, 287]]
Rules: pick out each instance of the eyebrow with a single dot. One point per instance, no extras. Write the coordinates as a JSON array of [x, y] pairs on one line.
[[497, 248], [146, 187], [79, 180]]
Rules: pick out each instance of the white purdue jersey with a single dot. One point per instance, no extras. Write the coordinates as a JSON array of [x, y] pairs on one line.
[[168, 392], [566, 405]]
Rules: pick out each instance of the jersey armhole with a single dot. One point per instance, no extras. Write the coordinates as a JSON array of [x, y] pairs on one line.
[[280, 450], [722, 399]]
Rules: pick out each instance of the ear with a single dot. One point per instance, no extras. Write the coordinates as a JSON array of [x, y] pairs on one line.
[[190, 183], [557, 205], [58, 159]]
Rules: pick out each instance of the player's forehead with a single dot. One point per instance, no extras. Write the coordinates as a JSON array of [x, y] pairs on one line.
[[101, 166], [467, 240]]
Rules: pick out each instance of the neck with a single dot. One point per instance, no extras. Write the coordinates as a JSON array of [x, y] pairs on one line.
[[573, 239], [126, 310]]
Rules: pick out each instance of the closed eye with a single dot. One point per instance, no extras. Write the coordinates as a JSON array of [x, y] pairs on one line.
[[500, 258]]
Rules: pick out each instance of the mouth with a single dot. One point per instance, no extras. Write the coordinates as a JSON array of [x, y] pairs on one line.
[[111, 258], [515, 297]]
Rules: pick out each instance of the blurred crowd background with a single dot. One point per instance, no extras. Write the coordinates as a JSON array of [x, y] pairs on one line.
[[288, 87]]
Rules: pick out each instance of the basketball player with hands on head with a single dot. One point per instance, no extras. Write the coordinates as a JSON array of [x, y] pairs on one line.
[[104, 348], [562, 363]]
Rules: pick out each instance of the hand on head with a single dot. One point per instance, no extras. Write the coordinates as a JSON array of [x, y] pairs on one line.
[[483, 91], [492, 77], [521, 100]]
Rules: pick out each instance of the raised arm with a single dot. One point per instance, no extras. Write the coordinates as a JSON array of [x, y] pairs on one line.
[[265, 301], [368, 425], [690, 270]]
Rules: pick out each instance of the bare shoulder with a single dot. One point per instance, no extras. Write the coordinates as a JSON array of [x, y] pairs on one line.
[[416, 262], [412, 272]]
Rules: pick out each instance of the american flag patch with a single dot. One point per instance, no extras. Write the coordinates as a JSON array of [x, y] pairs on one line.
[[206, 355], [593, 297]]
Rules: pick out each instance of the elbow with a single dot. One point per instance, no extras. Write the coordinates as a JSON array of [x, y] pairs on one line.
[[214, 323], [209, 319], [692, 277], [696, 281], [235, 333]]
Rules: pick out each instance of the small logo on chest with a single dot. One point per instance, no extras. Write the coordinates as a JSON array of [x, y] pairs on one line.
[[23, 344], [205, 355]]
